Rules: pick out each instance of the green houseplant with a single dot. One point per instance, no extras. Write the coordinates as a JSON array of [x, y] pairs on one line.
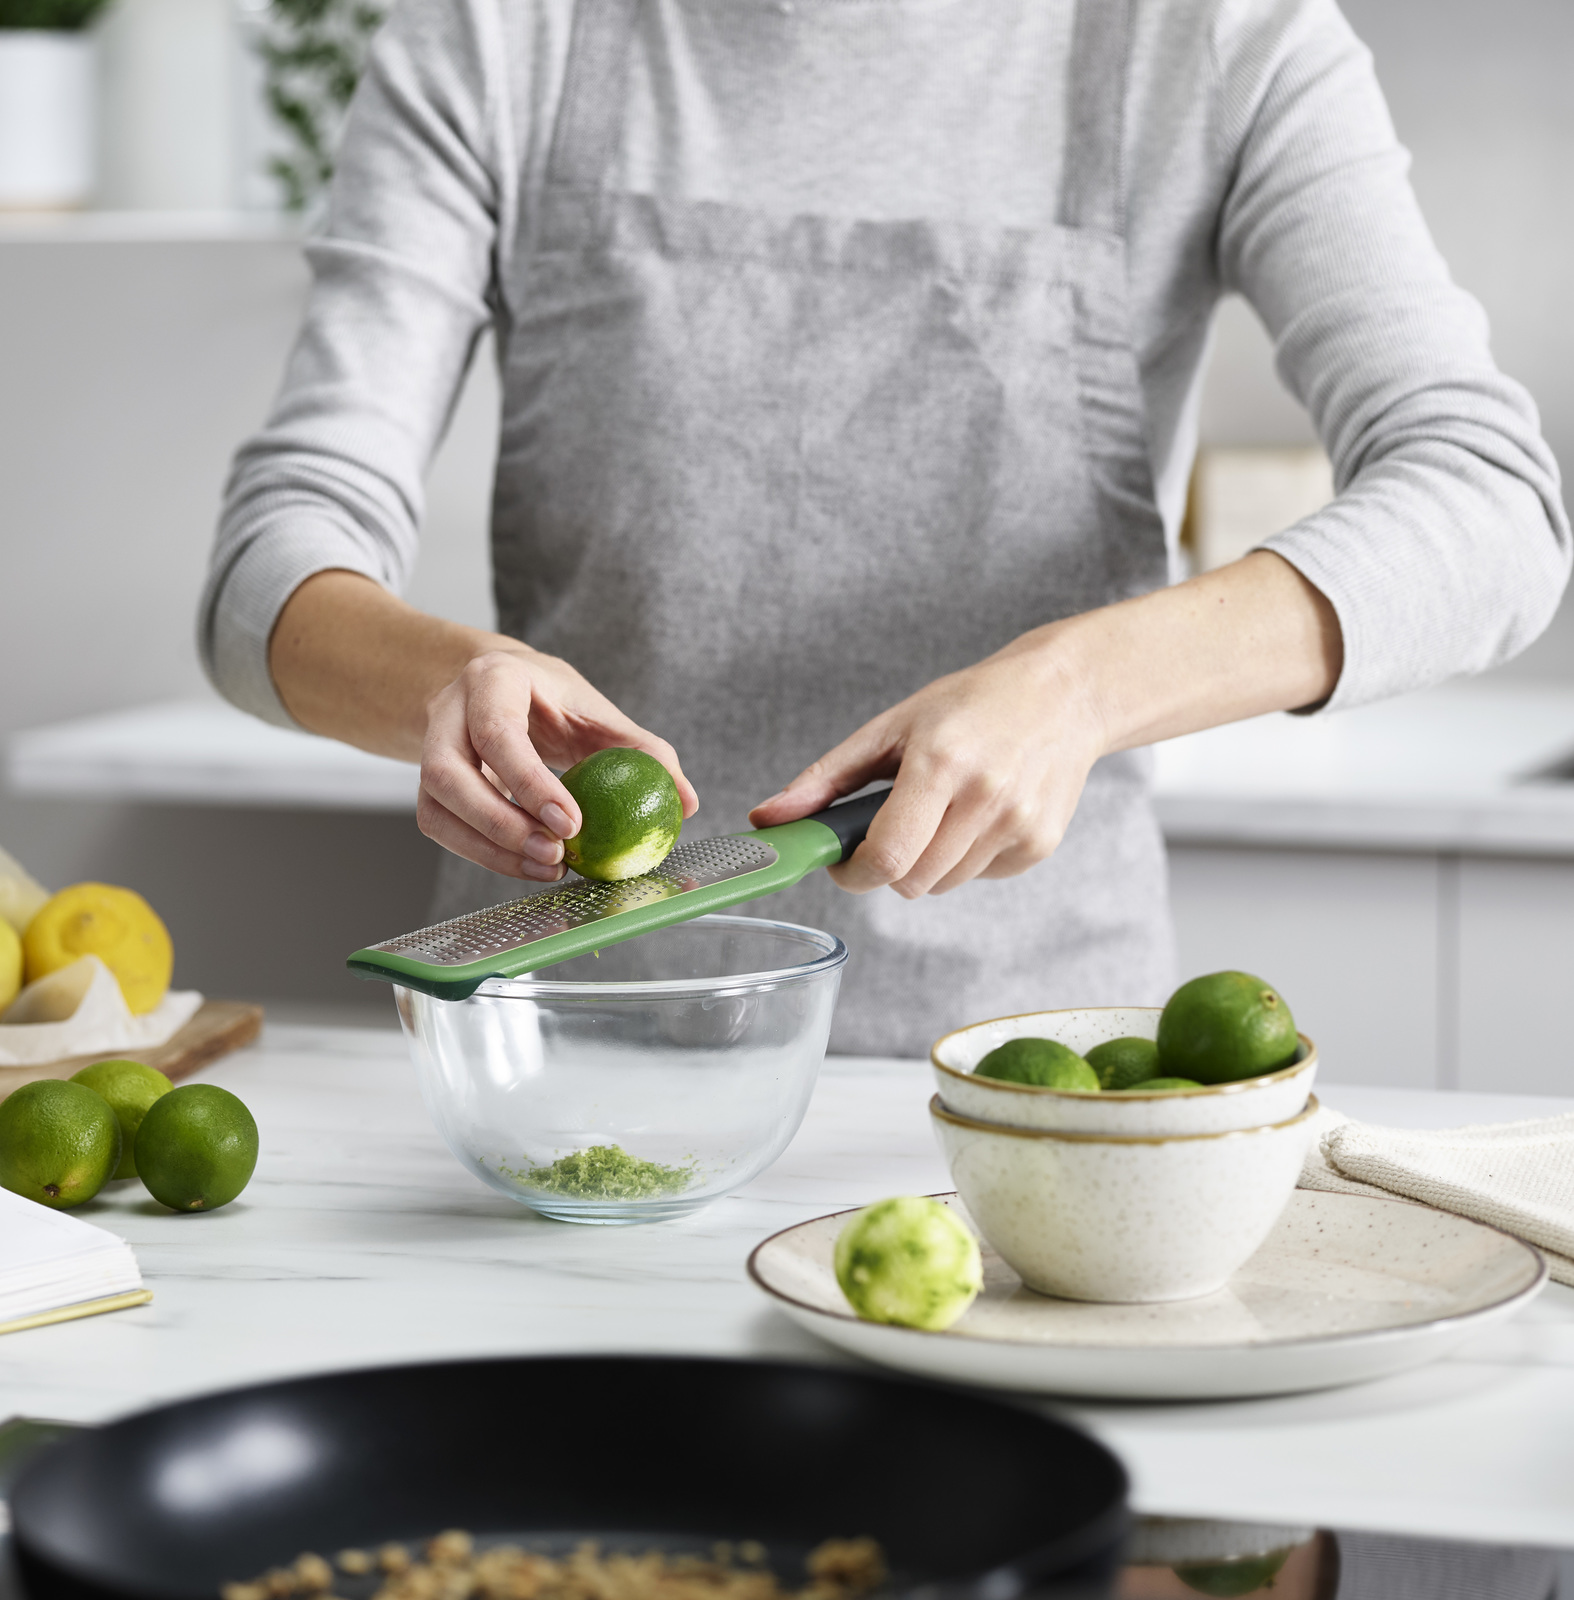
[[312, 53], [49, 16]]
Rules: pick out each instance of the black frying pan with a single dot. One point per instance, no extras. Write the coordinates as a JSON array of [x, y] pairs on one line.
[[975, 1497]]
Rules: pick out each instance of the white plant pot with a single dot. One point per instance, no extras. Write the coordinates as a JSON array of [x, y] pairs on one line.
[[47, 118]]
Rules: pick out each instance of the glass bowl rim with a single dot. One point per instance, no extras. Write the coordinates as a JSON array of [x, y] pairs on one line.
[[833, 955]]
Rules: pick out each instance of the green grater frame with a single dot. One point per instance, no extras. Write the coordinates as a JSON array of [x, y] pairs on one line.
[[451, 960]]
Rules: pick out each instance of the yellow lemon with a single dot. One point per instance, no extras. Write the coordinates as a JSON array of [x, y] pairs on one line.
[[116, 925], [10, 964]]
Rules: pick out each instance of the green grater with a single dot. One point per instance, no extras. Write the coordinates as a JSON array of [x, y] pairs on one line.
[[452, 959]]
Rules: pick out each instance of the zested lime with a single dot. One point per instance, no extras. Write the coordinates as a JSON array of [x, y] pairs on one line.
[[1043, 1063], [910, 1261], [59, 1142], [630, 815], [1225, 1027], [196, 1148], [130, 1088]]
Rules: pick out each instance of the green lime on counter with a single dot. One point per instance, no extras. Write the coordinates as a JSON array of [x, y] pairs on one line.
[[910, 1261], [59, 1143], [1160, 1085], [1225, 1027], [630, 815], [130, 1088], [1124, 1063], [196, 1148], [1042, 1063]]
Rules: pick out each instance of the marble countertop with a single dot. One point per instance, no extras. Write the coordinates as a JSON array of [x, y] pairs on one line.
[[362, 1241], [1448, 770]]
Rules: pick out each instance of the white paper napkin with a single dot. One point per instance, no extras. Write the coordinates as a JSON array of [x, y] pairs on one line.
[[101, 1022], [1517, 1176]]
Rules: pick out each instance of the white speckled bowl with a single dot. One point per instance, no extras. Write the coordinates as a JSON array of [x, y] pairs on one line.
[[1216, 1108], [1092, 1217]]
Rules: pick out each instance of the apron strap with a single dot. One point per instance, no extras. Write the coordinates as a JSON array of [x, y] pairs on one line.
[[1092, 191], [595, 85]]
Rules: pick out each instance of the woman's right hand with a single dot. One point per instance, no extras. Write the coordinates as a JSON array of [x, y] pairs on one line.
[[492, 733], [484, 714]]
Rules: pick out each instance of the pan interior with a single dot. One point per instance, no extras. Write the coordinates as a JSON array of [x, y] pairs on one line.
[[633, 1452]]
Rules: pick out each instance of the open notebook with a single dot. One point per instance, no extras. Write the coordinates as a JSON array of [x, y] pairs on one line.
[[54, 1266]]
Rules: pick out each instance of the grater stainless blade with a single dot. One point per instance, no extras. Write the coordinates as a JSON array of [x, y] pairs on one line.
[[477, 935]]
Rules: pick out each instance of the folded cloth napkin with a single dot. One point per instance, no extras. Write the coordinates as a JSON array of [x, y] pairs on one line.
[[80, 1011], [1517, 1176]]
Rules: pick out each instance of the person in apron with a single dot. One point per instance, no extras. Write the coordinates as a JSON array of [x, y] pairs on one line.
[[818, 500]]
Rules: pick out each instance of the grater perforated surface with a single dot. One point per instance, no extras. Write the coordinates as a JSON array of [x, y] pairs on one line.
[[496, 929]]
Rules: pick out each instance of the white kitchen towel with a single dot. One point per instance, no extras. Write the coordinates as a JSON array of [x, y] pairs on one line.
[[80, 1011], [1517, 1176]]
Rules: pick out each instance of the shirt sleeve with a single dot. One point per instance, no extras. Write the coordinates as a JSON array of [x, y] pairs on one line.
[[402, 276], [1447, 547]]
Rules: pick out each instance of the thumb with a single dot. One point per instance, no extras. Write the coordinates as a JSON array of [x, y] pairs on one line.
[[874, 751]]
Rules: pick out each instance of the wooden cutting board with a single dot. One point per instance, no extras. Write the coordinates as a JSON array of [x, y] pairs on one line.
[[218, 1027]]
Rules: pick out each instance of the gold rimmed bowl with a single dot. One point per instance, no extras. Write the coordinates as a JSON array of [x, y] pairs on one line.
[[1216, 1108], [1123, 1218]]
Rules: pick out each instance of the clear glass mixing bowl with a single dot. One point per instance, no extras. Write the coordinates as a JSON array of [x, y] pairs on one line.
[[635, 1085]]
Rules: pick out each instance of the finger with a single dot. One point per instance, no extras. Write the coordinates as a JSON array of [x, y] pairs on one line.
[[442, 826], [872, 752], [900, 833], [962, 833], [997, 855], [454, 778], [543, 848], [496, 724], [980, 861], [538, 846]]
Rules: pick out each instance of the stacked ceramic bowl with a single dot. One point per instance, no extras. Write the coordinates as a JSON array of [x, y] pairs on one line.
[[1131, 1196]]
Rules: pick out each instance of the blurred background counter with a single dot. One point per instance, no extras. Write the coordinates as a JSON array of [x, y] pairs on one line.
[[1410, 865]]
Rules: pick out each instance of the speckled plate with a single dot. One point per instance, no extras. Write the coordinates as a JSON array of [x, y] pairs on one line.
[[1345, 1289]]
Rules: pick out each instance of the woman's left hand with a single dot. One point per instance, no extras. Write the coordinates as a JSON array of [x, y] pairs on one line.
[[988, 765], [989, 762]]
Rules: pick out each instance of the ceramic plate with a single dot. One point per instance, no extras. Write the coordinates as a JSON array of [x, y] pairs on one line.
[[1346, 1288]]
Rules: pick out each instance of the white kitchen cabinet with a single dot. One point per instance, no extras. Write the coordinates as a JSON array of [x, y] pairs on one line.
[[1350, 938], [1515, 973]]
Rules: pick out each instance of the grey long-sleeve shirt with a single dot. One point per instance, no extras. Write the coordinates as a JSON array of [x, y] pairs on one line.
[[1259, 157]]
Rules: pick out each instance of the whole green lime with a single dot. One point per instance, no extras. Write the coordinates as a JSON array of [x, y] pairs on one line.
[[1124, 1063], [130, 1088], [59, 1142], [1043, 1063], [630, 815], [196, 1148], [909, 1261], [1225, 1027], [1159, 1085]]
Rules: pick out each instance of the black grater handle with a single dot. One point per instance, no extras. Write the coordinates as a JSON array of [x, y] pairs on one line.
[[849, 819]]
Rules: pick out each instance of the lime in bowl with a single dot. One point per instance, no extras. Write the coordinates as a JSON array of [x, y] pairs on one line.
[[1257, 1102], [635, 1085]]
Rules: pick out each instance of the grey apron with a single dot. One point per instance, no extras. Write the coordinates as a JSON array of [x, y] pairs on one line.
[[761, 477]]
